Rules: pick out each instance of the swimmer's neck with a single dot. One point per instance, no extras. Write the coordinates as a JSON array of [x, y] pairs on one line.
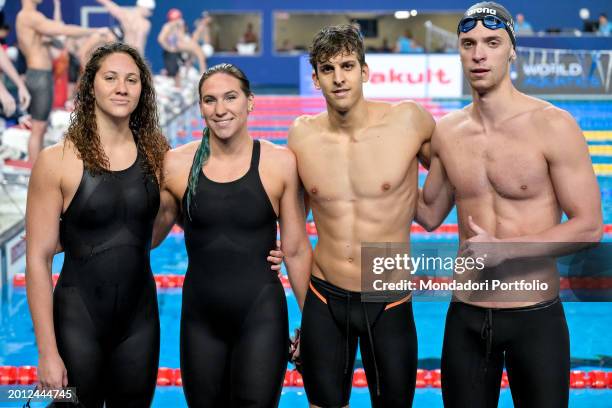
[[349, 121], [230, 147], [113, 131], [496, 104]]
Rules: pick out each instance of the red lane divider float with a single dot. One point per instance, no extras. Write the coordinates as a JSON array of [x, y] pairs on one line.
[[171, 281], [596, 379]]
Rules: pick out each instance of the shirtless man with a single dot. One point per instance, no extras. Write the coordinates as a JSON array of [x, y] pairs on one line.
[[358, 165], [32, 26], [133, 28], [514, 165], [135, 24]]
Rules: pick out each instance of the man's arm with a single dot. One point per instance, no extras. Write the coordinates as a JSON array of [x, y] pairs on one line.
[[45, 26], [115, 10], [436, 199], [294, 240], [57, 11], [292, 141], [422, 120]]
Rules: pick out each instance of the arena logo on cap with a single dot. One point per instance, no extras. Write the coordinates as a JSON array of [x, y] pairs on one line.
[[482, 10]]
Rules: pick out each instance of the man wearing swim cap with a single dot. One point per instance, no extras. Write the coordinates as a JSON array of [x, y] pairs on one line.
[[358, 164], [513, 165]]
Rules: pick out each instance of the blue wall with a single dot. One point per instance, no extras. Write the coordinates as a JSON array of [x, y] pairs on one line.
[[277, 70]]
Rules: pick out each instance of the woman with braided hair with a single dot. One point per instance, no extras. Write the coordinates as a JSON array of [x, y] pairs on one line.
[[230, 190]]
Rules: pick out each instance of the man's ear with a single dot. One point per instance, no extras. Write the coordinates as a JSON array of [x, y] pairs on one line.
[[365, 73], [315, 80]]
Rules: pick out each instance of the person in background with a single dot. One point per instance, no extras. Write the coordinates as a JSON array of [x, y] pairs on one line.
[[201, 34], [405, 44], [175, 41], [249, 36], [134, 22], [521, 26], [605, 27], [33, 29]]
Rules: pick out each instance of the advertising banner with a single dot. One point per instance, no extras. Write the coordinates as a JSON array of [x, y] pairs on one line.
[[402, 76], [550, 71]]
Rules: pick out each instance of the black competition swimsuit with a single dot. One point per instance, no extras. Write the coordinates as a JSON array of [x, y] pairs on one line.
[[234, 324], [532, 341], [105, 303]]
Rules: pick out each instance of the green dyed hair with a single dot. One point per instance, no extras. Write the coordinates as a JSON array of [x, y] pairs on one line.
[[203, 153], [200, 158]]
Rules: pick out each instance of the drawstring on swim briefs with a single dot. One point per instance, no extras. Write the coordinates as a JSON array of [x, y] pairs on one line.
[[372, 349], [486, 333]]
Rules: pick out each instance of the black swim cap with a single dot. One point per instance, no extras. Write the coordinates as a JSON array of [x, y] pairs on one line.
[[489, 8]]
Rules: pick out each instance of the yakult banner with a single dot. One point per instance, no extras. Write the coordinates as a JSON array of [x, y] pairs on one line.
[[403, 76], [552, 71]]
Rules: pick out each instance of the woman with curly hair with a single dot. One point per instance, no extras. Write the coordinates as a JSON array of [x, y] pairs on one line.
[[97, 194]]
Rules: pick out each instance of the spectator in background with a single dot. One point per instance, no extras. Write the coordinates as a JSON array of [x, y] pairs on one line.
[[405, 44], [249, 36], [385, 46], [522, 27], [605, 27], [249, 42]]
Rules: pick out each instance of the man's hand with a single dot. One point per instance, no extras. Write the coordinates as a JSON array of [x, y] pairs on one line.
[[482, 245], [24, 98], [7, 102], [294, 350]]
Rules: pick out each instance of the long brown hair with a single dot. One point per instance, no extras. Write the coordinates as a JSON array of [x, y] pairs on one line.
[[144, 121]]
